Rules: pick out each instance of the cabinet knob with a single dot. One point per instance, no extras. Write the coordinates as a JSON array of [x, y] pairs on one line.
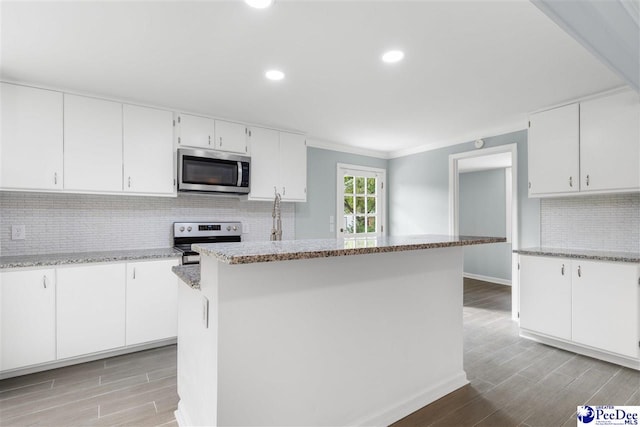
[[55, 178], [570, 181], [220, 141], [209, 139], [587, 180], [129, 183]]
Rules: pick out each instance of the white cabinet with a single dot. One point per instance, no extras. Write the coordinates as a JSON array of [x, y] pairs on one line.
[[152, 301], [204, 132], [278, 162], [148, 150], [610, 143], [545, 296], [231, 137], [27, 318], [92, 144], [605, 305], [31, 143], [90, 309], [554, 147], [593, 146]]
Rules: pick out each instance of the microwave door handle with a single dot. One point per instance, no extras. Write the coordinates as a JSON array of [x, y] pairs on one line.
[[239, 184]]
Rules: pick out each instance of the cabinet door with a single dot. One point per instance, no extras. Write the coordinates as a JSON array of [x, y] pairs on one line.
[[545, 296], [195, 131], [27, 318], [90, 309], [148, 150], [605, 306], [293, 167], [231, 137], [31, 135], [265, 163], [92, 144], [152, 301], [610, 143], [554, 150]]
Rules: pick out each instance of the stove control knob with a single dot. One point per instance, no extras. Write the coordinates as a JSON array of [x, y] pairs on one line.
[[228, 228], [189, 228], [235, 228], [181, 228]]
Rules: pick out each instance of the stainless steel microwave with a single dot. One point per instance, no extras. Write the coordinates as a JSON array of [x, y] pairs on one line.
[[212, 171]]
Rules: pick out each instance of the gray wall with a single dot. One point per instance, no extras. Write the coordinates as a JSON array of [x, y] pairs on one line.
[[483, 205], [312, 218], [419, 191]]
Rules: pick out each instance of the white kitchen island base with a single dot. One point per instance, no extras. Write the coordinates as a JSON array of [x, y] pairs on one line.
[[343, 340]]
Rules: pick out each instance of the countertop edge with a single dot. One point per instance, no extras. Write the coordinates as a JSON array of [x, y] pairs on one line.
[[189, 274], [634, 259]]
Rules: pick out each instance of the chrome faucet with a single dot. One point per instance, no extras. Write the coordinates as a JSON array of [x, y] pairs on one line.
[[276, 229]]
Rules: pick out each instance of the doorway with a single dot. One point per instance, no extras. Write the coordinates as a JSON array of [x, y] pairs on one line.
[[487, 165], [361, 201]]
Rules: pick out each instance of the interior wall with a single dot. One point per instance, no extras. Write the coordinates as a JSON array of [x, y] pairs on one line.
[[312, 217], [419, 191], [482, 212]]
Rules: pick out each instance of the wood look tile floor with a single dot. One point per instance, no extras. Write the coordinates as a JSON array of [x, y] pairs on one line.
[[514, 382]]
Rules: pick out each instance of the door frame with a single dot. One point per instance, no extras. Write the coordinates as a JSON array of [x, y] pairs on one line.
[[382, 199], [454, 205]]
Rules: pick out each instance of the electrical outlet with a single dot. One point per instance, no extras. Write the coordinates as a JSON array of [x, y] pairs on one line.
[[18, 232]]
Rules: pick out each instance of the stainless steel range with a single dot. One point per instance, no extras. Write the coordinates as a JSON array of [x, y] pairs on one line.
[[186, 234]]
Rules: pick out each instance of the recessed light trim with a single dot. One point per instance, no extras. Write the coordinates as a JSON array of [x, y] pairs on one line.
[[274, 75], [259, 4], [393, 56]]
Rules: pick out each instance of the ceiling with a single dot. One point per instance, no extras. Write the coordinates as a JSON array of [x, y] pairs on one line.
[[472, 68]]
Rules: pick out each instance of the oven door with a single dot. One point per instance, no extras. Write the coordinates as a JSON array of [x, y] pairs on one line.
[[212, 171]]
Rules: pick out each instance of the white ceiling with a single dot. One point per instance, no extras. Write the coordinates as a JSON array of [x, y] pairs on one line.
[[472, 68]]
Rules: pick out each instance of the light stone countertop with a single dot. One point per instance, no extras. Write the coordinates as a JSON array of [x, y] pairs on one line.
[[267, 251], [21, 261], [189, 274], [632, 257]]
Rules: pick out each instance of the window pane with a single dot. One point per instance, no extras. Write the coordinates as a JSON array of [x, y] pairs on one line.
[[359, 224], [359, 185], [360, 205], [348, 204], [348, 224], [371, 224], [348, 185], [371, 205], [371, 185]]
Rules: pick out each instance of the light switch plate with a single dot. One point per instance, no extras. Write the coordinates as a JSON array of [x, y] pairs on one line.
[[18, 232]]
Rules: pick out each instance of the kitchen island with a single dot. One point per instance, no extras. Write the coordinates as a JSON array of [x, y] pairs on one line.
[[321, 332]]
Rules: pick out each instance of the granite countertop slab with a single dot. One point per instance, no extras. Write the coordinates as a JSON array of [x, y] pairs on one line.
[[267, 251], [189, 274], [20, 261], [633, 257]]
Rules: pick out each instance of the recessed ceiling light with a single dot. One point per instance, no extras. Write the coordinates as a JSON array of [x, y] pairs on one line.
[[274, 75], [393, 56], [259, 4]]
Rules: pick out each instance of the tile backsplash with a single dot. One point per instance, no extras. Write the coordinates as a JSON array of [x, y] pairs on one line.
[[609, 222], [58, 223]]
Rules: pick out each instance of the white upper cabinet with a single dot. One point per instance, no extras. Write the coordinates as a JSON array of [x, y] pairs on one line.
[[278, 163], [92, 144], [610, 143], [195, 131], [231, 137], [31, 143], [148, 150], [554, 147], [27, 318], [293, 167]]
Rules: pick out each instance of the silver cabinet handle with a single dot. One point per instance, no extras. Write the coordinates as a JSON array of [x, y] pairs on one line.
[[55, 178], [129, 182], [587, 180], [579, 271], [44, 281], [275, 190], [570, 181], [134, 272], [220, 141], [209, 139], [529, 184], [562, 270], [284, 190]]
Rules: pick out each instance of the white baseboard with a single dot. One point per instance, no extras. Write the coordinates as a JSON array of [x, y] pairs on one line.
[[489, 279], [181, 417], [400, 410]]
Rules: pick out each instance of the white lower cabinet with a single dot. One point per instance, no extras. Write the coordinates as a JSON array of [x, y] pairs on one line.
[[152, 301], [27, 318], [605, 301], [588, 304], [90, 309]]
